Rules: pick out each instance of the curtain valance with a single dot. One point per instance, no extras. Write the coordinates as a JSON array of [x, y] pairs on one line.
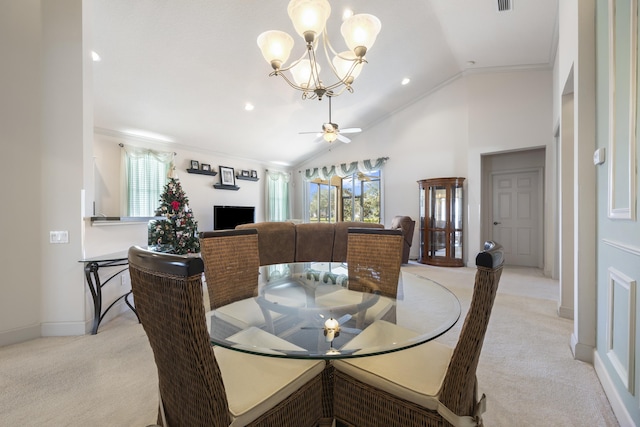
[[345, 169]]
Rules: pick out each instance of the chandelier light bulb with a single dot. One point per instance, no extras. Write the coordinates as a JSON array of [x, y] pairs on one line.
[[360, 31], [343, 62], [275, 47], [302, 73], [309, 17]]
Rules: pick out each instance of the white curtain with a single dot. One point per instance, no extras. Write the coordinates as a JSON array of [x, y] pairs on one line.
[[144, 174], [344, 169], [277, 195]]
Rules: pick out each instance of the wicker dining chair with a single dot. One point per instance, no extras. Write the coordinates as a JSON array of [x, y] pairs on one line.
[[231, 268], [202, 385], [231, 264], [428, 385], [374, 256]]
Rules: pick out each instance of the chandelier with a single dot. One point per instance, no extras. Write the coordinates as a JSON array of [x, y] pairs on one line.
[[309, 19]]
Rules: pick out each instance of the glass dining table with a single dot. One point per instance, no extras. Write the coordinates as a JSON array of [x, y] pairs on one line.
[[308, 311]]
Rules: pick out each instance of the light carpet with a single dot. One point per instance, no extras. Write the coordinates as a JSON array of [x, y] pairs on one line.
[[526, 366]]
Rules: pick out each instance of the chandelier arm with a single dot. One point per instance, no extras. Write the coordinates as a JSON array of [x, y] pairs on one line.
[[290, 83], [290, 66], [315, 73], [343, 81]]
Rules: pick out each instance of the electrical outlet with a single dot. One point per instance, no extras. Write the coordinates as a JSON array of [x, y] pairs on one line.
[[58, 237]]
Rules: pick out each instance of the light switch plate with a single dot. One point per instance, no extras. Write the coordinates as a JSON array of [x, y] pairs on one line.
[[58, 237], [599, 156]]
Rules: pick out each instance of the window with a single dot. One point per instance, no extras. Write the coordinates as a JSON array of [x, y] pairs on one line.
[[277, 196], [144, 176], [323, 200], [355, 197], [361, 197]]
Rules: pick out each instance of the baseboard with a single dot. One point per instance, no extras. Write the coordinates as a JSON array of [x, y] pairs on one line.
[[16, 336], [565, 312], [580, 351], [617, 405], [117, 309], [62, 329]]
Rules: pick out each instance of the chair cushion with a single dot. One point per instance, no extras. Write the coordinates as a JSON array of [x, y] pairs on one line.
[[346, 297], [415, 374], [242, 314], [272, 380], [257, 339]]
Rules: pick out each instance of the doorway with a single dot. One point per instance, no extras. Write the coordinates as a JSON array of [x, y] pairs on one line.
[[513, 210]]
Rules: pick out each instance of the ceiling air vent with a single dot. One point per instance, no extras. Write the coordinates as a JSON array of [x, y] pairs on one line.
[[504, 5]]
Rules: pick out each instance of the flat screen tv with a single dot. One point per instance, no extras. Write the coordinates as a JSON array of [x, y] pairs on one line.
[[227, 217]]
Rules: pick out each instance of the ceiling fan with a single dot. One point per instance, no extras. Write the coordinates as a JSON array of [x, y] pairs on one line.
[[331, 131]]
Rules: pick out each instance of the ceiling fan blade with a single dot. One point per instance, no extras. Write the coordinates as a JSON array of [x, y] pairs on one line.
[[318, 139], [350, 130], [343, 138]]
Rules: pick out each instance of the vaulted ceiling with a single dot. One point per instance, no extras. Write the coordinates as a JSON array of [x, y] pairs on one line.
[[182, 71]]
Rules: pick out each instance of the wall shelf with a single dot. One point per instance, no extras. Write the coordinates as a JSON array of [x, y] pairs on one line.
[[201, 172], [226, 187], [247, 178]]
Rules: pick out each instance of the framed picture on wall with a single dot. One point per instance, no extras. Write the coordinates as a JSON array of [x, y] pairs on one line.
[[254, 174], [226, 176], [245, 173], [206, 167], [195, 164]]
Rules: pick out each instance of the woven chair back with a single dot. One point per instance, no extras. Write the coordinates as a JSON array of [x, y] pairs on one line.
[[373, 258], [231, 264], [459, 389], [168, 296]]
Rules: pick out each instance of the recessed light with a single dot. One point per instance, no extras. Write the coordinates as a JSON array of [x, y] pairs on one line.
[[405, 81], [249, 106], [348, 13], [95, 56]]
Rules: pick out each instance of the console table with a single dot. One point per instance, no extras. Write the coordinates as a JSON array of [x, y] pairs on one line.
[[91, 271]]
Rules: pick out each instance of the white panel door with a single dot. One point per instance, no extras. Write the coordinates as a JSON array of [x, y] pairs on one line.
[[516, 219]]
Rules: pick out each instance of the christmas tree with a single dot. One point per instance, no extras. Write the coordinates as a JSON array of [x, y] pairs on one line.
[[178, 233]]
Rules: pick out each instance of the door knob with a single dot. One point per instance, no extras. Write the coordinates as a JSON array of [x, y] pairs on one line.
[[496, 223]]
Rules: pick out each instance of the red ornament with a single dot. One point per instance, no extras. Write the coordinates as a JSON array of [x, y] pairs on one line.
[[175, 205]]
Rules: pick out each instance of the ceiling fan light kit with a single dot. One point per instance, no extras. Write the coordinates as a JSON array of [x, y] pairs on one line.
[[309, 19], [331, 131]]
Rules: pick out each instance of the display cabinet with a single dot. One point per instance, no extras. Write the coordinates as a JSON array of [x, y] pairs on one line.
[[441, 221]]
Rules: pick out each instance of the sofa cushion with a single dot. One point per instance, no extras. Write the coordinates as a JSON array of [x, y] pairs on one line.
[[341, 236], [407, 225], [314, 242], [276, 241]]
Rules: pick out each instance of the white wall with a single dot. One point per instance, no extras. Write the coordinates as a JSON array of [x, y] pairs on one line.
[[445, 133]]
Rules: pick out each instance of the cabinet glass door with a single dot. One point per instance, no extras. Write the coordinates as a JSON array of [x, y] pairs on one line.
[[441, 217]]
